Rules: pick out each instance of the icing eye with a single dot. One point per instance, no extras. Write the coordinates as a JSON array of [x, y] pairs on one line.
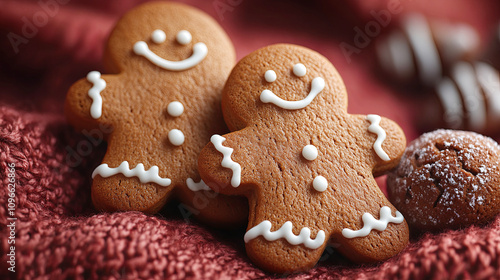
[[299, 70], [270, 76], [184, 37], [158, 36]]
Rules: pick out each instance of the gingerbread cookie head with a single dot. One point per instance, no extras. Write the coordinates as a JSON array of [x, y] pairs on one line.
[[286, 87], [163, 105], [181, 40], [305, 164]]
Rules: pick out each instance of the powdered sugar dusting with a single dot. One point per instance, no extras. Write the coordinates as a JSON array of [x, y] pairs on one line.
[[446, 173]]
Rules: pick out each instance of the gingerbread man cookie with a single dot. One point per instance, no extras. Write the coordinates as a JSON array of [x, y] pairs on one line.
[[306, 166], [163, 103]]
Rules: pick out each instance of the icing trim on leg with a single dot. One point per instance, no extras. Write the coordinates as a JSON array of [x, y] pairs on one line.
[[370, 223], [145, 176], [264, 229]]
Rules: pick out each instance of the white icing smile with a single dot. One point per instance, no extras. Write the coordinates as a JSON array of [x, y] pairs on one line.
[[304, 237], [299, 70], [200, 51]]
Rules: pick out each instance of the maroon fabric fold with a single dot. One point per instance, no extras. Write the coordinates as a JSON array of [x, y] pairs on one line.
[[47, 45]]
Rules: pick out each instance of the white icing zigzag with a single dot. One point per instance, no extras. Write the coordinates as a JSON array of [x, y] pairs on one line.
[[317, 85], [304, 237], [381, 135], [95, 93], [370, 223], [192, 185], [149, 176], [227, 162]]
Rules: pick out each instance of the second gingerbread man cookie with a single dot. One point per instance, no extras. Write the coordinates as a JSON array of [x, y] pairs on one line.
[[164, 104], [306, 166]]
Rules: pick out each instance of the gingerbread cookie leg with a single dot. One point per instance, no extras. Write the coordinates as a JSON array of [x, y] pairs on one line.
[[373, 233], [130, 180], [283, 243]]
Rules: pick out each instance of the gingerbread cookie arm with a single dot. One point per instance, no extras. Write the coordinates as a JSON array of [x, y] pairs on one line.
[[87, 101], [223, 161], [386, 141]]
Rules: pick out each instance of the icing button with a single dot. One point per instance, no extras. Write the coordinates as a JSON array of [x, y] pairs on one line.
[[320, 184], [175, 108], [310, 152], [176, 137]]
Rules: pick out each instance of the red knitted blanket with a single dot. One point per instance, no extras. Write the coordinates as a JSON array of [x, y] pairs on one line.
[[48, 228]]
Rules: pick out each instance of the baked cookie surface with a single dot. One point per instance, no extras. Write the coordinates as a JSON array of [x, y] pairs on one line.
[[163, 104], [306, 166]]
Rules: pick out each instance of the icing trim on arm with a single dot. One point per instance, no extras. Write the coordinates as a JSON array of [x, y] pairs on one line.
[[192, 185], [98, 85], [381, 135], [264, 229], [317, 85], [370, 223], [227, 162], [200, 51], [145, 176]]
